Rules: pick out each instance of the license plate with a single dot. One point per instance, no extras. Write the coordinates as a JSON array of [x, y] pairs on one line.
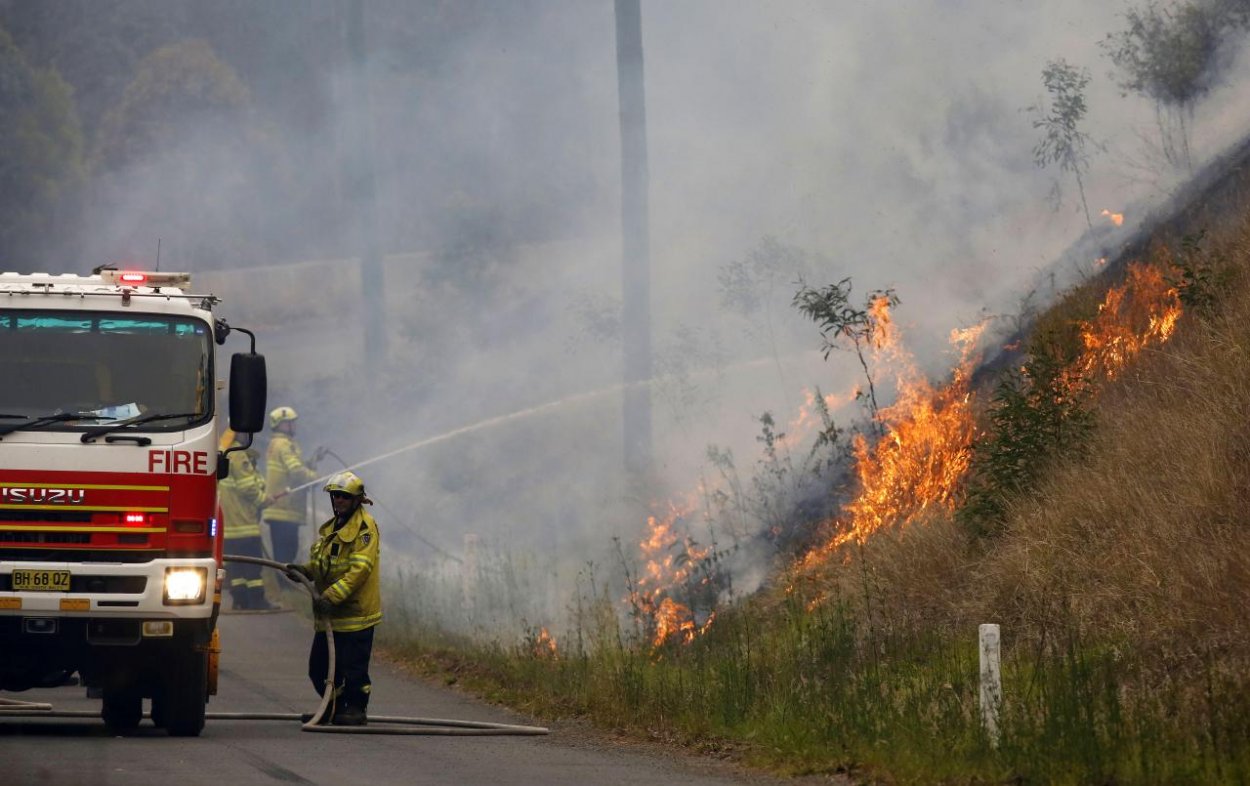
[[41, 581]]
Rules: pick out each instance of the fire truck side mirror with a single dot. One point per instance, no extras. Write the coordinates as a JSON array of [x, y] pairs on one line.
[[248, 389]]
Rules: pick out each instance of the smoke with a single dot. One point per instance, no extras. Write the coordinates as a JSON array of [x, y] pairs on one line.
[[882, 142]]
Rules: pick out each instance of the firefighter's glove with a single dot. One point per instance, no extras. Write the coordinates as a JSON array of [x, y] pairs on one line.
[[294, 571], [322, 607], [316, 456]]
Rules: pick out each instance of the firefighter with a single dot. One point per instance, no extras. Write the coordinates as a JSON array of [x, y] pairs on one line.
[[242, 499], [343, 566], [285, 469]]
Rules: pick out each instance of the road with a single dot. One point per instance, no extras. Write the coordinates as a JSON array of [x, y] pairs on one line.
[[262, 670]]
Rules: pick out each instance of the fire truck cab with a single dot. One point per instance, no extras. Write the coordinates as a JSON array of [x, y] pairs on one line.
[[110, 535]]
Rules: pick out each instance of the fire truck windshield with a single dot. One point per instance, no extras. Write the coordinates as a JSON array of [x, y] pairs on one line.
[[76, 369]]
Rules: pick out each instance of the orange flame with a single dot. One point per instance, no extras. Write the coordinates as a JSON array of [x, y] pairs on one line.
[[924, 453], [806, 419], [544, 645], [1115, 218], [670, 561], [885, 335], [1140, 312]]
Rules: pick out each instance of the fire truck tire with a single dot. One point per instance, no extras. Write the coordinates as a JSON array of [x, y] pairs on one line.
[[183, 694], [122, 709]]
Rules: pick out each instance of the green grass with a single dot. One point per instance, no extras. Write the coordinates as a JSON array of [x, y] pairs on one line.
[[1119, 573], [798, 692]]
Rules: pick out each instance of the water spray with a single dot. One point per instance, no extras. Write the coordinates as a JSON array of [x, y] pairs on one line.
[[498, 420]]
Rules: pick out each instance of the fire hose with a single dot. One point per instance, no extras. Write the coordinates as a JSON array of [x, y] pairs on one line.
[[378, 724]]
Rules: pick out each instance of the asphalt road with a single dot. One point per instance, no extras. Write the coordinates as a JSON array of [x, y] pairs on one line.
[[263, 670]]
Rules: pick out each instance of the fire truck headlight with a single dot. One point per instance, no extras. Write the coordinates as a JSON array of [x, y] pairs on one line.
[[185, 586]]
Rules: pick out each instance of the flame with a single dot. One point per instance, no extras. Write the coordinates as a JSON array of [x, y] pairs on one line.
[[801, 425], [1100, 261], [1140, 312], [544, 645], [924, 453], [670, 561], [1115, 218], [885, 334]]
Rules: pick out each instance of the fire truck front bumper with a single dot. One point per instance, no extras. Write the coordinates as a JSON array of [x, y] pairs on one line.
[[160, 590]]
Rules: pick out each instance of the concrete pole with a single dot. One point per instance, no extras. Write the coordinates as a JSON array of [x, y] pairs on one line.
[[636, 243], [991, 681]]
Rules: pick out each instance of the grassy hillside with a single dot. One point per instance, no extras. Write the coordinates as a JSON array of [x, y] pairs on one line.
[[1091, 499]]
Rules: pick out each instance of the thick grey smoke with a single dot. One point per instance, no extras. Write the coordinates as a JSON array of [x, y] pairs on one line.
[[884, 142]]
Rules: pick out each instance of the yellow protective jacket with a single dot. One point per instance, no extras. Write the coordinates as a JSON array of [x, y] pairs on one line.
[[241, 495], [285, 469], [344, 568]]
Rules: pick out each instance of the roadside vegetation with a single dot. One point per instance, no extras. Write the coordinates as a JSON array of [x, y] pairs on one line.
[[1085, 489], [1099, 521]]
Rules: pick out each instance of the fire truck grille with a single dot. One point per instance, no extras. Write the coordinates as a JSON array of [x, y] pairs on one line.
[[99, 585], [45, 537], [77, 516], [75, 555]]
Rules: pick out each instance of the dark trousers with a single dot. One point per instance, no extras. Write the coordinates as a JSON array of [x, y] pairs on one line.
[[285, 538], [351, 666], [246, 587]]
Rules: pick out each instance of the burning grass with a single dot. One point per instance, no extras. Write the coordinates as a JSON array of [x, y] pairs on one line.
[[1120, 574]]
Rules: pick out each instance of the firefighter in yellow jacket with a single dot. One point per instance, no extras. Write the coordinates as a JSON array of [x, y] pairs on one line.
[[242, 496], [285, 469], [344, 570]]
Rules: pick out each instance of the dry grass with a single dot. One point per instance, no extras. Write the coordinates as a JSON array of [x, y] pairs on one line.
[[1146, 539], [1142, 543]]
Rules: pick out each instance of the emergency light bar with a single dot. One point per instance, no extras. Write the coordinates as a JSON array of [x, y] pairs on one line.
[[145, 278]]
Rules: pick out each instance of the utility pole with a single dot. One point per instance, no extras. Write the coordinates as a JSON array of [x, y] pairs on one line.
[[363, 191], [636, 243]]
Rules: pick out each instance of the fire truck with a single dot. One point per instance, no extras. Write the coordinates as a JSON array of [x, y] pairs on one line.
[[110, 532]]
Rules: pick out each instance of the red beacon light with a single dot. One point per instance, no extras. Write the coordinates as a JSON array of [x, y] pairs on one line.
[[139, 278]]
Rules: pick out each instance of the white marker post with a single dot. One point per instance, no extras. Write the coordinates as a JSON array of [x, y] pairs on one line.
[[991, 681]]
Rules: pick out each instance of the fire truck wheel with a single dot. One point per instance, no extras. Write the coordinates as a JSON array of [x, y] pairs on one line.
[[122, 709], [183, 693]]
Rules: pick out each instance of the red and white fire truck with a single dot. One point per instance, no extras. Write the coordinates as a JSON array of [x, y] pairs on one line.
[[110, 538]]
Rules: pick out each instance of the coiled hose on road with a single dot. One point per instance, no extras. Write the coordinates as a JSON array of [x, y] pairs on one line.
[[378, 724]]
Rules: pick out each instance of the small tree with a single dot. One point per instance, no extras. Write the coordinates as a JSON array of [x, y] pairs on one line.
[[1170, 55], [838, 321], [748, 287], [1063, 142]]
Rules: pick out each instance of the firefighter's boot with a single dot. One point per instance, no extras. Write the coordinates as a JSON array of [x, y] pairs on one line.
[[350, 708], [350, 716], [256, 599]]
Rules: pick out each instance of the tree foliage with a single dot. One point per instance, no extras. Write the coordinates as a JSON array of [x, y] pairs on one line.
[[840, 322], [42, 166], [752, 289], [1172, 55], [1037, 414], [1033, 419], [1063, 142], [176, 89]]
